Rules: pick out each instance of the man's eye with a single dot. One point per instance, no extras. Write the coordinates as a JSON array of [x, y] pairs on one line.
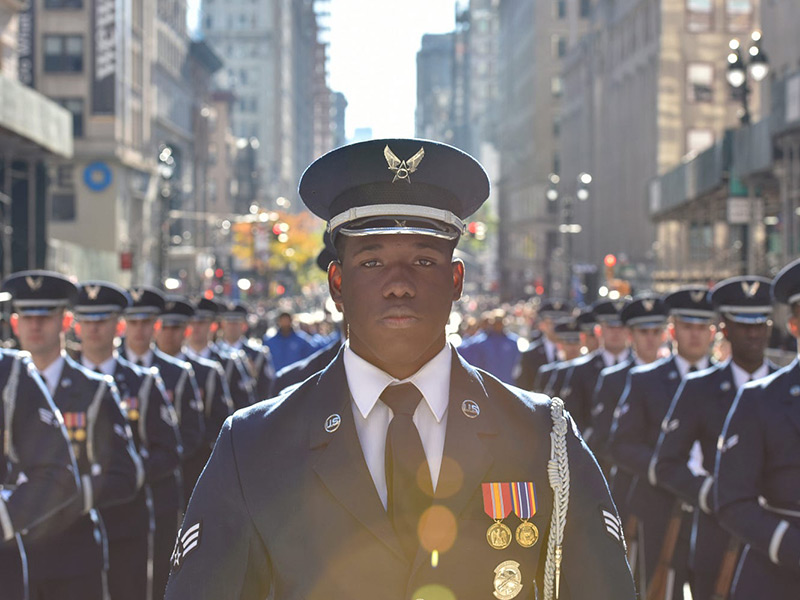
[[370, 263], [425, 262]]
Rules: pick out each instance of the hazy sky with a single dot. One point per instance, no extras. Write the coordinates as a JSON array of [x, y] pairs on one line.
[[373, 48]]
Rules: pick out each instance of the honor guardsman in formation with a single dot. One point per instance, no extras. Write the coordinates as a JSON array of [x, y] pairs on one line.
[[543, 351], [69, 562], [568, 343], [757, 475], [399, 471], [38, 475]]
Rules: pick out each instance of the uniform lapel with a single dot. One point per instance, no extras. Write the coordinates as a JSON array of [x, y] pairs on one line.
[[467, 456], [64, 388], [791, 396], [339, 460]]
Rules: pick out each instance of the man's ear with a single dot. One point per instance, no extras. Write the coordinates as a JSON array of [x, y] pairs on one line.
[[120, 327], [458, 278], [335, 282], [66, 322], [15, 324]]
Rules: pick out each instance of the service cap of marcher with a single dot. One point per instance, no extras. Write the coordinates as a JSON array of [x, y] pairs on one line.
[[99, 300], [645, 312], [234, 311], [744, 299], [39, 292], [568, 330], [328, 253], [690, 304], [177, 310], [608, 312], [555, 309], [205, 309], [148, 302], [786, 285], [395, 186], [587, 320]]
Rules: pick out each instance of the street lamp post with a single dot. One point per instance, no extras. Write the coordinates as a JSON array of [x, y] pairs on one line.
[[566, 226], [757, 66]]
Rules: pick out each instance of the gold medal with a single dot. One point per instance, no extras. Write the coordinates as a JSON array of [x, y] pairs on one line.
[[507, 580], [527, 534], [133, 415], [498, 535], [80, 435]]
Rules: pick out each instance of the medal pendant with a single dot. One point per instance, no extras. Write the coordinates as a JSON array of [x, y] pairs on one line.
[[80, 435], [498, 535], [527, 534], [133, 415]]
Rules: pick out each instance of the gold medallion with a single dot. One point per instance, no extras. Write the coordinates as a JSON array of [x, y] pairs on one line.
[[133, 415], [507, 580], [80, 435], [527, 534], [498, 535]]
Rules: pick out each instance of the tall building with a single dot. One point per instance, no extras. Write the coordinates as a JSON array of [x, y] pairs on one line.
[[33, 130], [275, 64], [646, 90], [435, 87], [534, 38]]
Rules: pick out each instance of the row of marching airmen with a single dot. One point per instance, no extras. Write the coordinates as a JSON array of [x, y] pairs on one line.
[[102, 445], [702, 452]]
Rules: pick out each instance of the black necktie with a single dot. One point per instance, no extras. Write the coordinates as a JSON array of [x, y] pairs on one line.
[[139, 362], [408, 477], [692, 369]]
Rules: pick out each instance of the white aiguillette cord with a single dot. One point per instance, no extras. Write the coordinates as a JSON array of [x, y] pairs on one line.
[[558, 474]]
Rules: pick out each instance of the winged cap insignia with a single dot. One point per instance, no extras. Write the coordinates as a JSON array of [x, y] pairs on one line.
[[169, 306], [402, 168], [697, 296], [136, 294], [92, 291], [557, 305], [619, 305], [34, 283], [648, 304], [751, 289]]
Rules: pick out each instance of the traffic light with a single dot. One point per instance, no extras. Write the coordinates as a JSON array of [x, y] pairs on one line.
[[477, 229], [610, 261]]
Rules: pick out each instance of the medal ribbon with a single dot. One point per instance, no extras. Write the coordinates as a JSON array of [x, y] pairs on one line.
[[524, 497], [497, 501]]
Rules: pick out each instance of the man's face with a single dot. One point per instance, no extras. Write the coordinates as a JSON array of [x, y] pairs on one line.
[[232, 330], [647, 341], [285, 323], [570, 350], [199, 332], [169, 338], [615, 338], [98, 336], [397, 292], [693, 339], [748, 341], [40, 334], [139, 333]]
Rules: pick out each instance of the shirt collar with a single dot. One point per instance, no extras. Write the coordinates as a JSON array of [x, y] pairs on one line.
[[107, 367], [367, 382], [52, 374], [613, 359], [146, 358], [550, 349], [740, 376], [684, 365]]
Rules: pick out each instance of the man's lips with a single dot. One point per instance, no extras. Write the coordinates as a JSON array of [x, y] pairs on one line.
[[399, 318]]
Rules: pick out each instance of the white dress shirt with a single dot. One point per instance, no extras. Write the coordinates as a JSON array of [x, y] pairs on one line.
[[550, 350], [367, 382], [146, 358], [684, 365], [52, 374], [740, 376], [614, 359]]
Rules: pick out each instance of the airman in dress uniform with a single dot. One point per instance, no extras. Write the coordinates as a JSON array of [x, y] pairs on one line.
[[587, 323], [214, 392], [141, 319], [395, 471], [234, 327], [581, 379], [68, 564], [757, 474], [636, 428], [38, 475], [154, 424], [568, 344], [697, 414], [199, 341], [543, 351]]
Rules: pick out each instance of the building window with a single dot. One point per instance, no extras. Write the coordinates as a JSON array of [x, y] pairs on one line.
[[560, 9], [557, 86], [699, 15], [586, 9], [63, 53], [701, 241], [75, 106], [698, 140], [700, 82], [63, 3], [558, 45], [63, 207], [739, 15]]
